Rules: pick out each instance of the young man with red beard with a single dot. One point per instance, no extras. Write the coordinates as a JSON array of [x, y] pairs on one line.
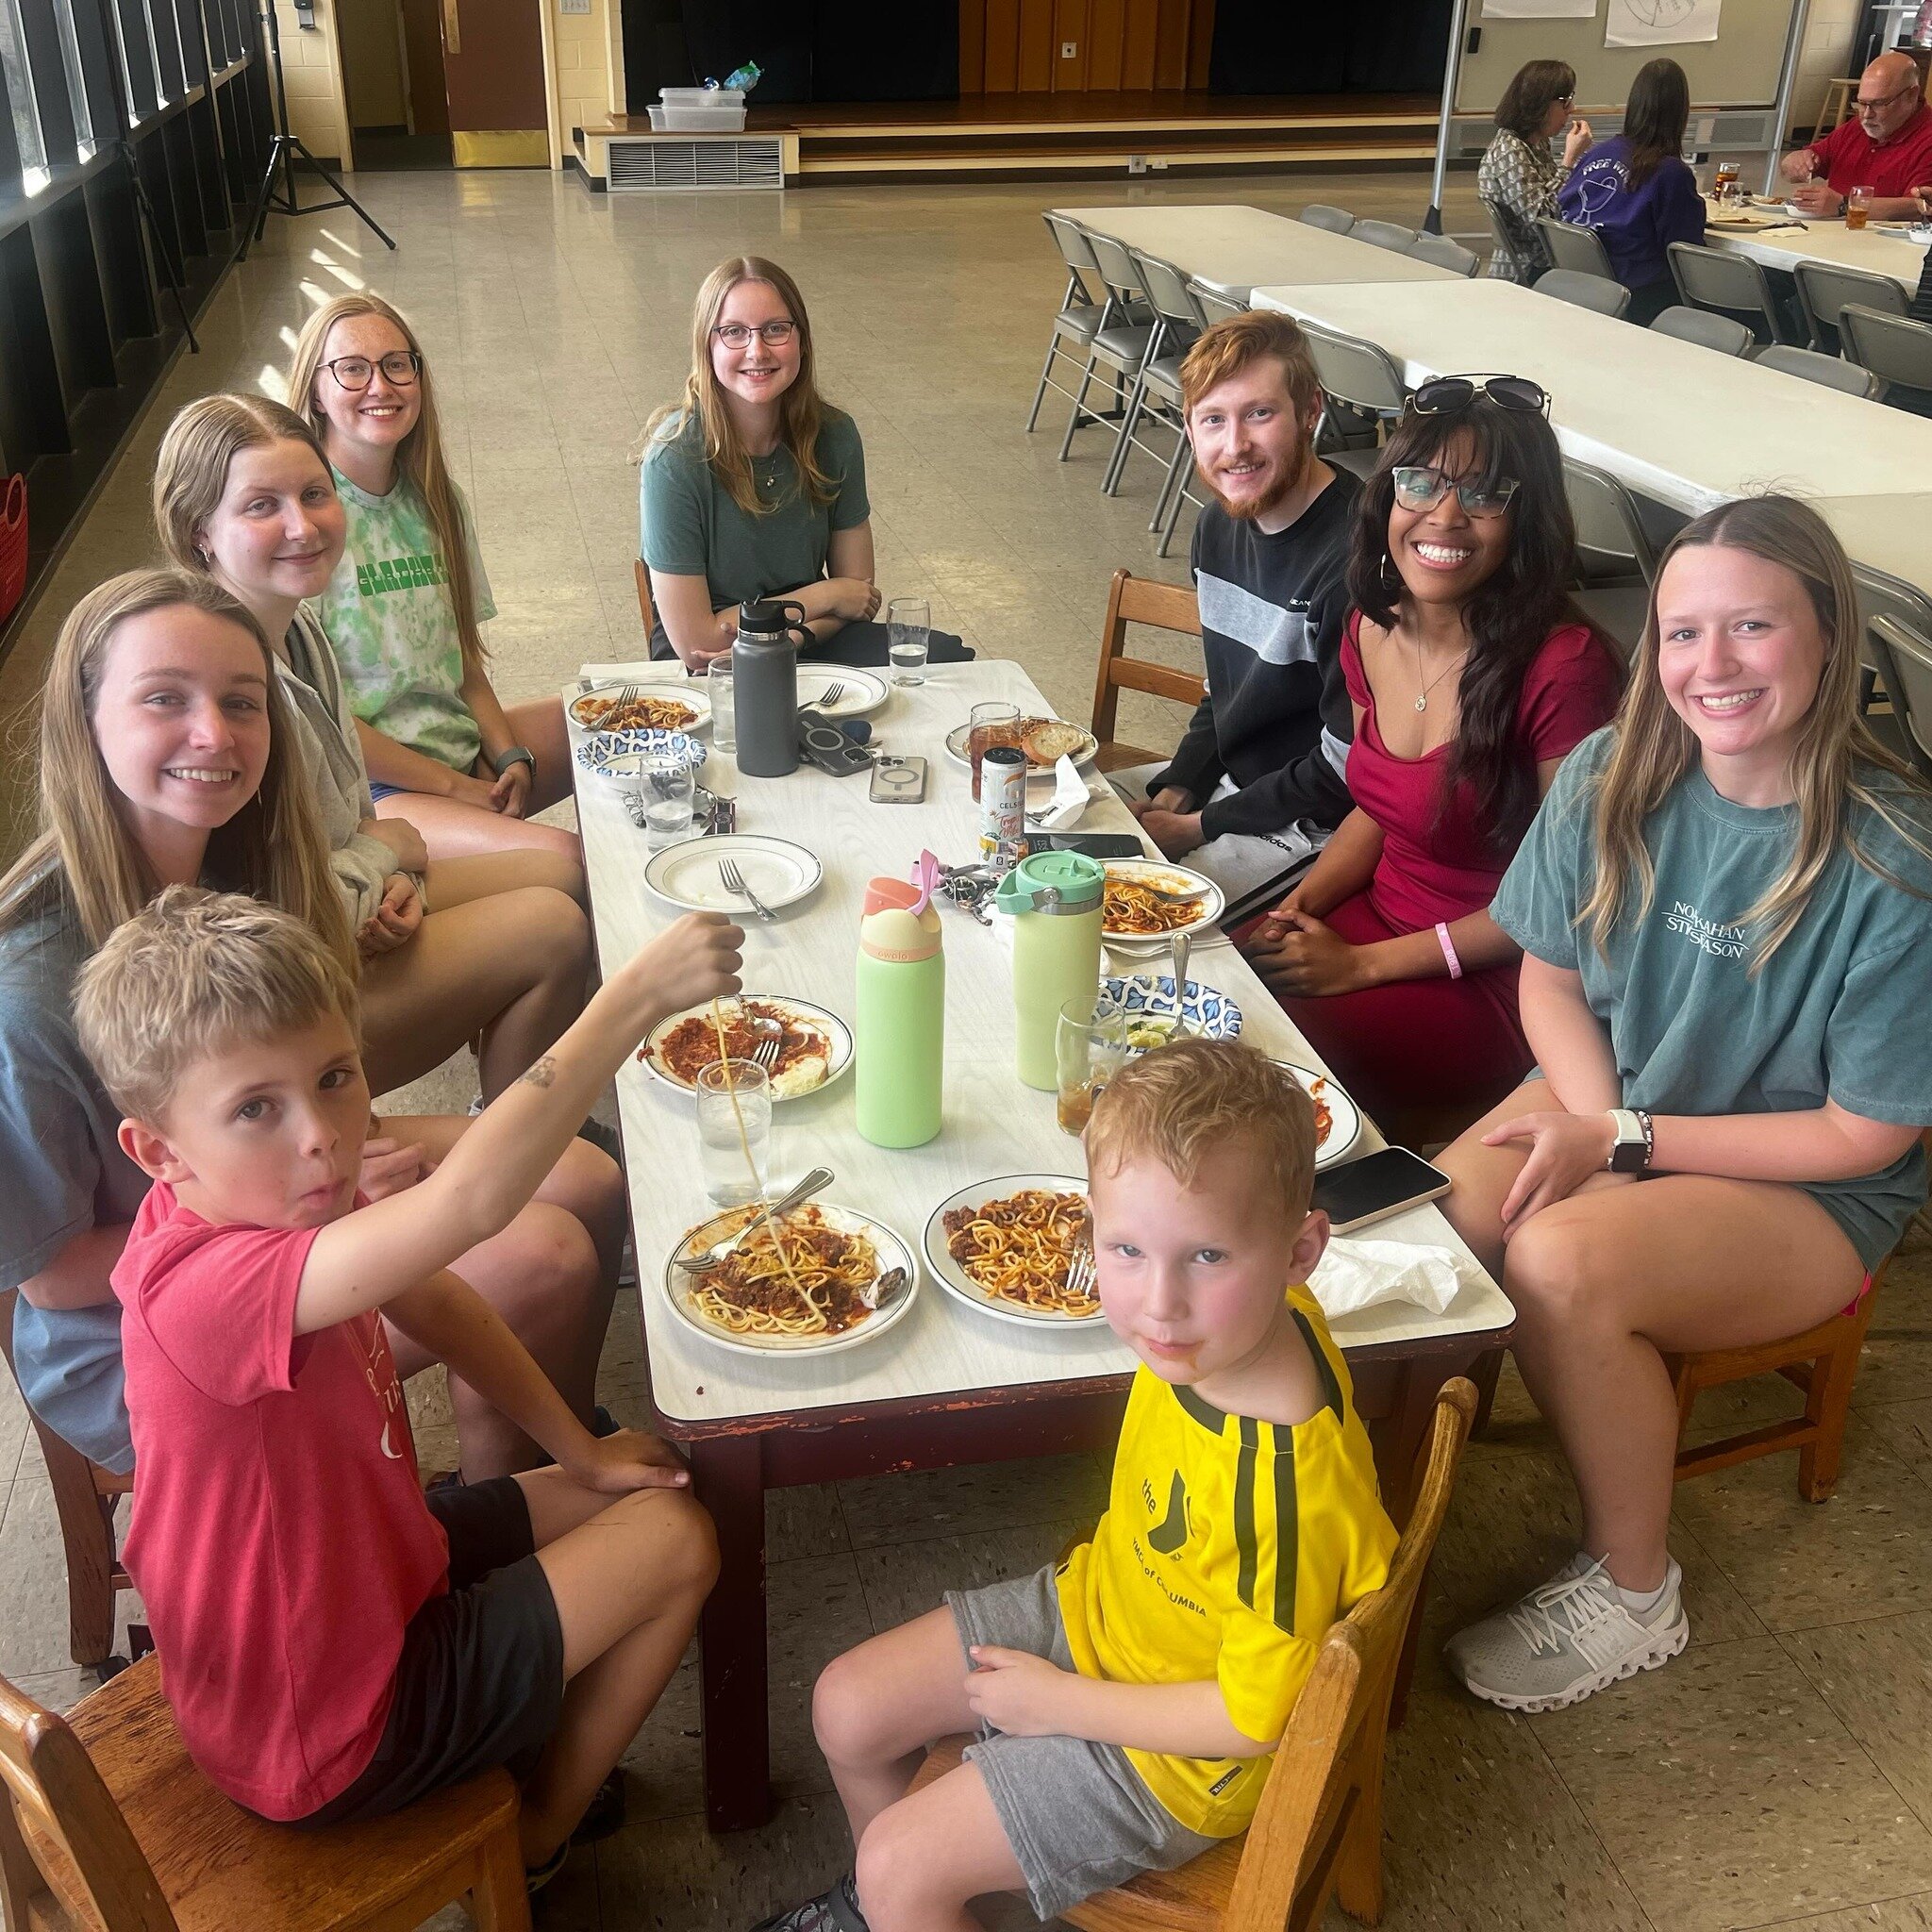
[[1256, 785]]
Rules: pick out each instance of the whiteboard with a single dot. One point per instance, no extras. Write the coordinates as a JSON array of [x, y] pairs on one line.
[[1739, 68]]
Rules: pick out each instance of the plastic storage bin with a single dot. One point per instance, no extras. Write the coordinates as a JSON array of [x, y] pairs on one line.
[[699, 111]]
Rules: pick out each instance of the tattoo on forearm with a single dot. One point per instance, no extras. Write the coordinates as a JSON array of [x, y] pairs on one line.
[[542, 1074]]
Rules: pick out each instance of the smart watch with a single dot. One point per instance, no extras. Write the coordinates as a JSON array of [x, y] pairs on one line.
[[1630, 1151], [514, 754]]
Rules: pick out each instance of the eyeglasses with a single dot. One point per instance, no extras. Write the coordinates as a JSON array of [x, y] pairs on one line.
[[1447, 394], [735, 335], [400, 367], [1860, 107], [1422, 489]]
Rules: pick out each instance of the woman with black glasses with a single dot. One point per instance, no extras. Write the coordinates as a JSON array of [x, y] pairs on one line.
[[1471, 677], [1520, 178], [753, 485]]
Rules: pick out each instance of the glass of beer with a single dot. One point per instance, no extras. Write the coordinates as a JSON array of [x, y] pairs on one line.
[[1858, 208], [992, 723], [1092, 1044]]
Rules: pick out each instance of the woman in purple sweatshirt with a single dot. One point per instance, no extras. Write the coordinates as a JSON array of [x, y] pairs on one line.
[[1635, 190]]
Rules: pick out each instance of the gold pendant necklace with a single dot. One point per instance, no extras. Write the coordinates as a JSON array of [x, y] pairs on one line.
[[1422, 703]]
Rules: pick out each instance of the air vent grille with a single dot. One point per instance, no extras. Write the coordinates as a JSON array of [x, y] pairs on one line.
[[705, 162]]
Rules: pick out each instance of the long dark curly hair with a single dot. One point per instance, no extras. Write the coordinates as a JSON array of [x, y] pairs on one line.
[[1512, 612]]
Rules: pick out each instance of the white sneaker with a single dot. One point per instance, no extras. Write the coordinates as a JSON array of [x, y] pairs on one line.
[[1571, 1636]]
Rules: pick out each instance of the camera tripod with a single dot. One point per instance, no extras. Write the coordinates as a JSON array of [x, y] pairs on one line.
[[285, 150]]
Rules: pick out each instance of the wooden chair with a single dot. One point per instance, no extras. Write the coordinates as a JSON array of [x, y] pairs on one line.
[[1318, 1833], [106, 1825], [1823, 1362], [646, 609], [1138, 600], [84, 1499]]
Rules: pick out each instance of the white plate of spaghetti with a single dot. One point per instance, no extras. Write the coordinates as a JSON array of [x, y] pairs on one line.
[[1338, 1119], [815, 1301], [1004, 1247], [1133, 912], [814, 1044]]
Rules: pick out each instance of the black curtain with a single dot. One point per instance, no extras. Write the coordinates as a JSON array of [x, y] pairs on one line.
[[1262, 47], [883, 50], [809, 50]]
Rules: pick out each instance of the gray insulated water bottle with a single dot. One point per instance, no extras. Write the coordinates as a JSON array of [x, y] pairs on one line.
[[764, 671]]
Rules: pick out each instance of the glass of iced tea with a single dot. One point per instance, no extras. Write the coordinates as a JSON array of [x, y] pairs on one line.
[[992, 723], [1091, 1041], [1858, 208]]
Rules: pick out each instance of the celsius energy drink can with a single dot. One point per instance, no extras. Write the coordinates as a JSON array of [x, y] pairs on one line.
[[1002, 804]]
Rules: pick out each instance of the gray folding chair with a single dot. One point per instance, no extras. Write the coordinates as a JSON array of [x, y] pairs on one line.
[[1905, 663], [1613, 552], [1217, 305], [1828, 371], [1708, 278], [1177, 326], [1080, 312], [1519, 249], [1320, 215], [1360, 377], [1707, 328], [1823, 288], [1384, 235], [1120, 345], [1571, 246], [1881, 594], [1586, 292], [1445, 252], [1895, 349]]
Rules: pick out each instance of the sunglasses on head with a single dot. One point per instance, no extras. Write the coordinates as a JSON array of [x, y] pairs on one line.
[[1448, 394]]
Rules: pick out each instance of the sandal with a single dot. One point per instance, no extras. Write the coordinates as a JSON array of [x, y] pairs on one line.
[[835, 1911]]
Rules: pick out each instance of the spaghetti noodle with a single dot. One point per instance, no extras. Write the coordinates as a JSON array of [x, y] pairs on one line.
[[633, 714], [798, 1278], [694, 1044], [1324, 1114], [1021, 1248], [1131, 906]]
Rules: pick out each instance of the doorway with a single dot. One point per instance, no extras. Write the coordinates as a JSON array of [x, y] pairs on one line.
[[392, 73]]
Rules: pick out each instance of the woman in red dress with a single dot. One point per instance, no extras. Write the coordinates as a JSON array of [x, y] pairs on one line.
[[1472, 677]]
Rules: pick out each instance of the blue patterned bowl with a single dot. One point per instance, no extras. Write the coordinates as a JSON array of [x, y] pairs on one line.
[[1205, 1011], [617, 756]]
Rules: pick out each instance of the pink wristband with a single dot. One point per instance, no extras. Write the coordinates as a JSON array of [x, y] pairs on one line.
[[1448, 949]]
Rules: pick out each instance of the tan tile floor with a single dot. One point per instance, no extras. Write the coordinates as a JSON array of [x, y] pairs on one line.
[[1780, 1774]]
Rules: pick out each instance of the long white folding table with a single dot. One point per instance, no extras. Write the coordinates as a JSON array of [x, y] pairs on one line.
[[949, 1384], [1879, 251], [1233, 248], [1678, 422]]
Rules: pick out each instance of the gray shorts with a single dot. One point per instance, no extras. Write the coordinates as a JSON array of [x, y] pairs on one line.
[[1079, 1816]]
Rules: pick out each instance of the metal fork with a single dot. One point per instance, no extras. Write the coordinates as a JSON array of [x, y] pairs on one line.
[[830, 696], [627, 695], [1081, 1272], [766, 1053], [734, 883]]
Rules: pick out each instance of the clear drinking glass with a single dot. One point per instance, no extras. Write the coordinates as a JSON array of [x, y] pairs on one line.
[[718, 687], [1858, 208], [734, 1130], [908, 631], [1090, 1040], [666, 785], [989, 724]]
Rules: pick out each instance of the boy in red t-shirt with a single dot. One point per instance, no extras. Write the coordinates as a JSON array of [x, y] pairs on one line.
[[335, 1645]]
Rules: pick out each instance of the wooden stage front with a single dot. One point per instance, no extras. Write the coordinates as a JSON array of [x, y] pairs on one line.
[[1040, 136]]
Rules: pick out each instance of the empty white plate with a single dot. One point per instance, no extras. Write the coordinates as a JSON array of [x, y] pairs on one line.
[[863, 690], [689, 875]]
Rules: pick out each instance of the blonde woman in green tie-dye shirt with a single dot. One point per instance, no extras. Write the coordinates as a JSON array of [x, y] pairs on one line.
[[405, 603]]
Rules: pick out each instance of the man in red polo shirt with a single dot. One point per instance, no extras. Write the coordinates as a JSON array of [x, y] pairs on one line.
[[1886, 146]]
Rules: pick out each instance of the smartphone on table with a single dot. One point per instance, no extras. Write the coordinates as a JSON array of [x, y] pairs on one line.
[[1359, 1192]]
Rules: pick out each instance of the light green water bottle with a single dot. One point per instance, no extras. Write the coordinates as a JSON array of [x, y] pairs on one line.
[[901, 1011], [1055, 898]]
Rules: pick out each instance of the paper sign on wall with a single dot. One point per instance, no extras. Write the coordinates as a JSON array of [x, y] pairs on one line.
[[1659, 23], [1539, 10]]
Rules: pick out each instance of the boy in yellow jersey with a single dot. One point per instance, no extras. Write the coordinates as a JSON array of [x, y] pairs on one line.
[[1128, 1699]]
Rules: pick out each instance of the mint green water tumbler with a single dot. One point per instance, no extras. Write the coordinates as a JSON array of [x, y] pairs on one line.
[[900, 1014], [1055, 898]]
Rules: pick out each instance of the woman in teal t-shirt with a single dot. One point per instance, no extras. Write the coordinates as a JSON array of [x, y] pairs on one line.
[[1725, 911], [751, 485]]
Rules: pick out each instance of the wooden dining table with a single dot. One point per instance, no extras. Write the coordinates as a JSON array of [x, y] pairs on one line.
[[949, 1384]]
